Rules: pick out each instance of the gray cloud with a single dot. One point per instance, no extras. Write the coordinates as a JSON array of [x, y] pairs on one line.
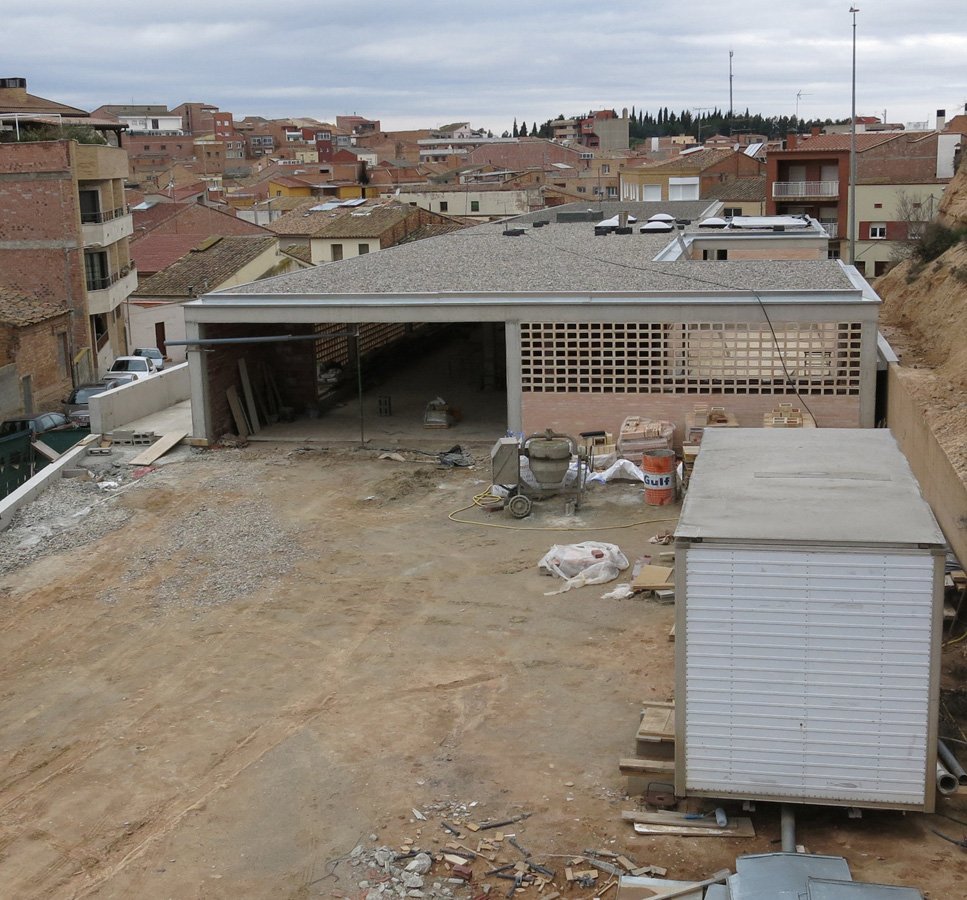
[[424, 63]]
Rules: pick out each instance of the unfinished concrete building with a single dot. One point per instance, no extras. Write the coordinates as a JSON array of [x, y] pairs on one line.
[[561, 326]]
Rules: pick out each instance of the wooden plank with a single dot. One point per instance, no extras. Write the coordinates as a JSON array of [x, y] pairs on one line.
[[634, 766], [253, 415], [238, 414], [688, 889], [159, 448], [741, 828], [48, 453], [671, 633], [652, 578], [669, 817], [657, 724]]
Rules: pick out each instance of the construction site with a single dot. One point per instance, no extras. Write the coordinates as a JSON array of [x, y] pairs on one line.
[[497, 624]]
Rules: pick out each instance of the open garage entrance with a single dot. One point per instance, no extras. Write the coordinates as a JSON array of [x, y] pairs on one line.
[[305, 386]]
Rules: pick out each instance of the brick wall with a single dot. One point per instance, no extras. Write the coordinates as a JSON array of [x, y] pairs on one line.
[[574, 413], [38, 196], [37, 351], [292, 365]]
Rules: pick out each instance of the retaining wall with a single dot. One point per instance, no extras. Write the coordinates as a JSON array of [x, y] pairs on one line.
[[124, 404], [941, 485]]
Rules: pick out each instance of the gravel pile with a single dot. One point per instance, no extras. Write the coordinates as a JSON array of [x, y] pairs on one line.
[[69, 514], [222, 550]]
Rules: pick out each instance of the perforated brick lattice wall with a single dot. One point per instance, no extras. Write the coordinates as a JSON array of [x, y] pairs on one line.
[[637, 357], [333, 348]]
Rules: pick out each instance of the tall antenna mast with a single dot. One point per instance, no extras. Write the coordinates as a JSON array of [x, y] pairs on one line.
[[731, 107]]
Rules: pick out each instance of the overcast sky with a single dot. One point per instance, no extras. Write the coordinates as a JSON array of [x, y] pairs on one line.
[[424, 63]]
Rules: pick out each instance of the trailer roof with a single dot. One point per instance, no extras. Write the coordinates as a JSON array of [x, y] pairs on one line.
[[827, 486]]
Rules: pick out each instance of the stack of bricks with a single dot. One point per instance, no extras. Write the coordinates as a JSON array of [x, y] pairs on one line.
[[638, 435], [785, 415]]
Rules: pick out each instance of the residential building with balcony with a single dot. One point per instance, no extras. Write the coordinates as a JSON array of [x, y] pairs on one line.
[[900, 177], [154, 119], [65, 233]]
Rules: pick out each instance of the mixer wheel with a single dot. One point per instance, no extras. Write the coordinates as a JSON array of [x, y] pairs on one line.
[[519, 506]]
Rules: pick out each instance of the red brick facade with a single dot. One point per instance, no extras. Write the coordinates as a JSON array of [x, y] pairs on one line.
[[38, 351]]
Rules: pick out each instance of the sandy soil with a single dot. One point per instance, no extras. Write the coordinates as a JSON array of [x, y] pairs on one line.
[[281, 653]]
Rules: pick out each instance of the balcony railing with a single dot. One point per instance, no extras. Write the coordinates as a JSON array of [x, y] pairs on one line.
[[832, 228], [102, 282], [97, 218], [782, 189]]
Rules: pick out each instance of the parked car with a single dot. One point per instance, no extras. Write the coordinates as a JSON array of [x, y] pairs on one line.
[[141, 366], [77, 404], [151, 353], [39, 424]]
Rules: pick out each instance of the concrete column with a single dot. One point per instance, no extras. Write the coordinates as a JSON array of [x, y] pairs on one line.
[[515, 415], [489, 379], [201, 427], [868, 374]]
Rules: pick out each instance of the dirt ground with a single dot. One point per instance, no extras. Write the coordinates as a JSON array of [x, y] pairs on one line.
[[264, 657]]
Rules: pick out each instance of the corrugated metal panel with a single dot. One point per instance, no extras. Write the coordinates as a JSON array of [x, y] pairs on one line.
[[783, 876], [807, 673]]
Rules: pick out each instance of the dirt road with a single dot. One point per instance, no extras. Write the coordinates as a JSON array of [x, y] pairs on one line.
[[270, 656]]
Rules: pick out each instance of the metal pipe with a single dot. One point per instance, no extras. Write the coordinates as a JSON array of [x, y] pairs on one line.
[[950, 761], [946, 783], [260, 340], [787, 828]]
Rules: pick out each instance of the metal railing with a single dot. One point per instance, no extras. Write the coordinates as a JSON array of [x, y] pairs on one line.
[[102, 282], [99, 217], [805, 189], [832, 228]]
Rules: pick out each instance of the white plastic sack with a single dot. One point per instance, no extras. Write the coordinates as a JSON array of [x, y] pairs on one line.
[[621, 468], [590, 562]]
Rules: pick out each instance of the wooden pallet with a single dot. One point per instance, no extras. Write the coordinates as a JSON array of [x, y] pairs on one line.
[[655, 738]]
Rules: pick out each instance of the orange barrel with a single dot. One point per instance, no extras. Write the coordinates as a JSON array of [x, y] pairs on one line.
[[659, 468]]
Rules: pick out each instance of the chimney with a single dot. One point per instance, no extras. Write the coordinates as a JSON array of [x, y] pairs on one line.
[[815, 130], [791, 140], [622, 219], [941, 119]]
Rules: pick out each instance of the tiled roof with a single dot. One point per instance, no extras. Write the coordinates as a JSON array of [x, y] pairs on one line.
[[698, 159], [434, 229], [302, 221], [559, 257], [206, 267], [155, 252], [864, 141], [299, 251], [19, 309], [19, 101], [752, 189], [367, 222], [189, 218]]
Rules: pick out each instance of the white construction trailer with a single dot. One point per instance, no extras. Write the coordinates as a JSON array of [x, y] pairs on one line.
[[809, 595]]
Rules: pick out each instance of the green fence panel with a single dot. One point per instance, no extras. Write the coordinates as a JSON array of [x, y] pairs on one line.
[[17, 463]]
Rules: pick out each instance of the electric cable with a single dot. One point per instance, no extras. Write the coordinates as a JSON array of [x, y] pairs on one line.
[[669, 271]]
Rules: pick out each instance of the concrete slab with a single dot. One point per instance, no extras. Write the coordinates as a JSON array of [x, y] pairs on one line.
[[174, 418]]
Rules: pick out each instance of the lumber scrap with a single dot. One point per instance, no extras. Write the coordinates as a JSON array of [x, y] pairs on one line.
[[634, 766], [737, 828], [49, 453], [249, 394], [159, 448], [653, 578], [238, 413]]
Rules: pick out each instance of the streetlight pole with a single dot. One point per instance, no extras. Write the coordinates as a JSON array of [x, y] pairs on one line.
[[852, 154]]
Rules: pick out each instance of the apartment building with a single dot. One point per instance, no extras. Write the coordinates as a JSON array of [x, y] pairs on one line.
[[65, 230], [688, 176], [900, 177]]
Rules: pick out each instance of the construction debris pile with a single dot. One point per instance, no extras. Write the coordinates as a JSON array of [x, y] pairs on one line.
[[454, 854]]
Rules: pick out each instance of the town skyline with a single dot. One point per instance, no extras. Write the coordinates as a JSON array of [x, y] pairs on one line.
[[424, 71]]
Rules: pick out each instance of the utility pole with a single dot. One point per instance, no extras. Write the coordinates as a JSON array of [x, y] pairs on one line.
[[700, 110], [852, 153]]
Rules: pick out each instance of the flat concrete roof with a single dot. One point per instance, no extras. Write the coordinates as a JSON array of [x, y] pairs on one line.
[[804, 485], [558, 257]]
